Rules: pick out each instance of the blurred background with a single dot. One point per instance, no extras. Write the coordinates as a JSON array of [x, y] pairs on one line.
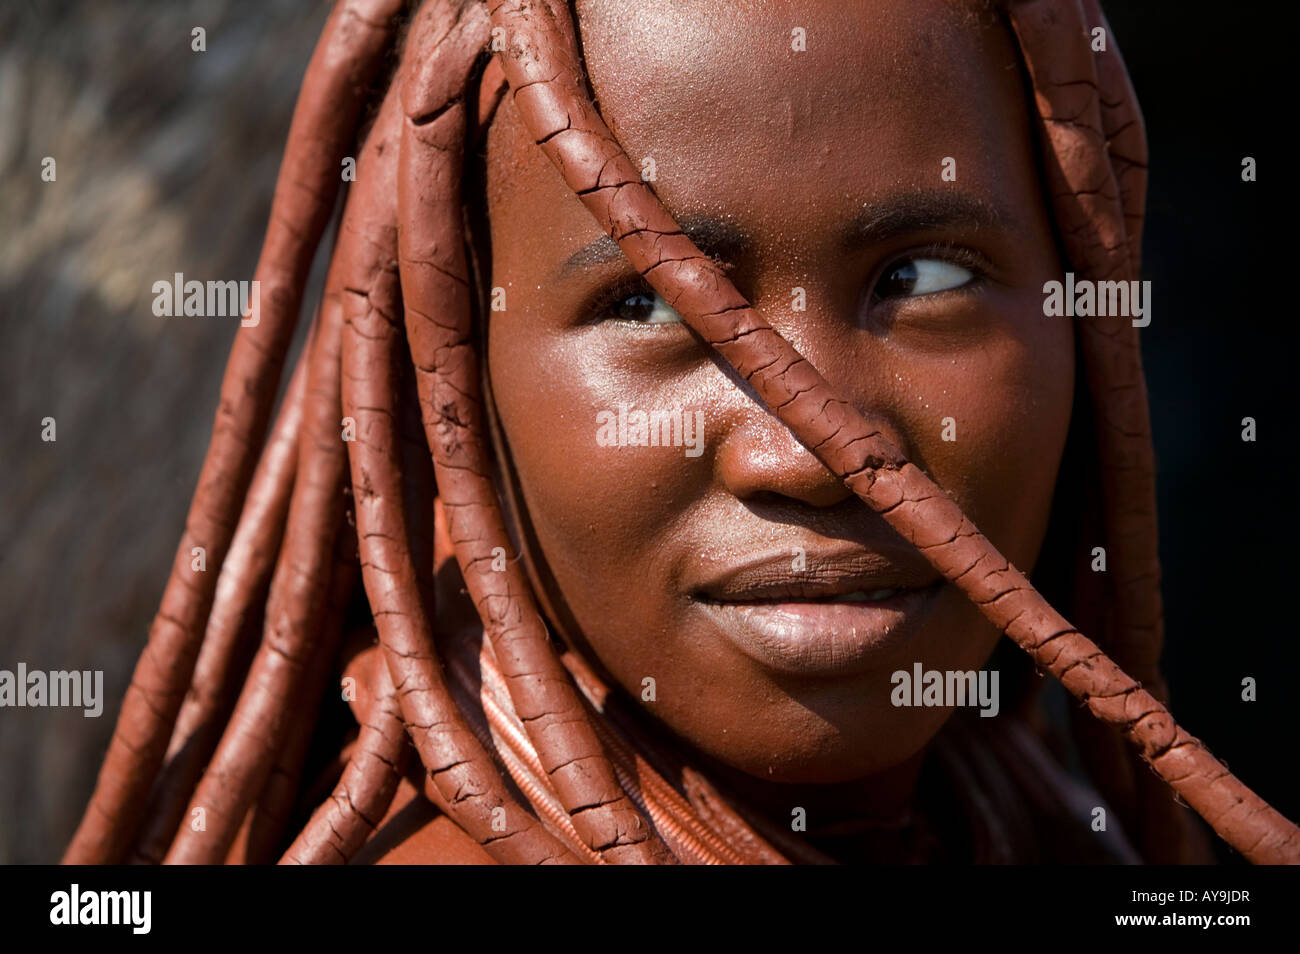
[[166, 160]]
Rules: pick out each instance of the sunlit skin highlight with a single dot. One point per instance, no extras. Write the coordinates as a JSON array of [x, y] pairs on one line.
[[627, 542], [916, 376]]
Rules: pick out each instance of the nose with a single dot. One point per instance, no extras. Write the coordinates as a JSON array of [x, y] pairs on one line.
[[759, 457]]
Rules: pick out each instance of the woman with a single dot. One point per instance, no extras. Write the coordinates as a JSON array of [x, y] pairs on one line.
[[662, 625]]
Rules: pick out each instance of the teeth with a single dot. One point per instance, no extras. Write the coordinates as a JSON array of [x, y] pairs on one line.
[[862, 596]]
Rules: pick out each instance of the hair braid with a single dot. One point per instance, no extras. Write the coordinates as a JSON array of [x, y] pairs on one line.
[[347, 56], [1096, 176], [232, 628], [462, 779], [399, 269], [435, 287], [542, 64]]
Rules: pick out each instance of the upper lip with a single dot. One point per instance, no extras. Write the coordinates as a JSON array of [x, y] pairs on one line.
[[771, 577]]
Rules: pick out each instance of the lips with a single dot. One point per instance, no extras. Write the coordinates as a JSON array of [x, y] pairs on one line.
[[814, 612]]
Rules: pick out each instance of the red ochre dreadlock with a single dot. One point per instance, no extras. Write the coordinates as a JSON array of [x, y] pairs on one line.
[[200, 731]]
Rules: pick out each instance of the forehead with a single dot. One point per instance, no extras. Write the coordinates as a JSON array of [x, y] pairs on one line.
[[781, 115]]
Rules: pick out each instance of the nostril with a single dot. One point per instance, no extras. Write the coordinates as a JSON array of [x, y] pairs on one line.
[[763, 460]]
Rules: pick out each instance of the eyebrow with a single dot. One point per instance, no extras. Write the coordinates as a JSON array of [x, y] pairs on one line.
[[712, 236], [876, 222], [926, 211]]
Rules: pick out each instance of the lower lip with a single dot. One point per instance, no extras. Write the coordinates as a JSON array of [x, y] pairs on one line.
[[822, 639]]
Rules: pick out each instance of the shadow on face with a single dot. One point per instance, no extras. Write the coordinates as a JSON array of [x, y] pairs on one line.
[[865, 172]]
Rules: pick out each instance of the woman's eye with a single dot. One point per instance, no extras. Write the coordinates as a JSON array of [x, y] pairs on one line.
[[920, 276], [646, 308]]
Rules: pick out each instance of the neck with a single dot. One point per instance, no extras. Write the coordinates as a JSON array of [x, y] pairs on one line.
[[880, 801], [872, 818]]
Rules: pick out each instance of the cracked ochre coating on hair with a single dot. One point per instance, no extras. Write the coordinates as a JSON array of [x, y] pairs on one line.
[[323, 123], [543, 66], [436, 291], [464, 782], [399, 279]]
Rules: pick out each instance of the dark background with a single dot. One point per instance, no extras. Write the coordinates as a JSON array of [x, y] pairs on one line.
[[166, 161], [1219, 348]]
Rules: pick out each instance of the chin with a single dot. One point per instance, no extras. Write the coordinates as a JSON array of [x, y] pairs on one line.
[[822, 754]]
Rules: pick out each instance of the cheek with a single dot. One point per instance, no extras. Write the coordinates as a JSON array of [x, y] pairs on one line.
[[598, 512], [990, 423], [605, 520]]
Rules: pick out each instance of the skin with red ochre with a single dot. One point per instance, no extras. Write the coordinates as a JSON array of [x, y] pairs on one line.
[[539, 344], [746, 579], [753, 136]]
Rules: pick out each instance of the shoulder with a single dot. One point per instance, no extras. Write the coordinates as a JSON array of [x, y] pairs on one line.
[[415, 832]]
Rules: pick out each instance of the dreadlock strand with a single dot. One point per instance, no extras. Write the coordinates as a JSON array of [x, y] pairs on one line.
[[261, 837], [1127, 445], [464, 783], [1089, 116], [347, 56], [255, 736], [292, 632], [1130, 629], [435, 288], [339, 828], [1087, 206], [1101, 231], [549, 92], [232, 626]]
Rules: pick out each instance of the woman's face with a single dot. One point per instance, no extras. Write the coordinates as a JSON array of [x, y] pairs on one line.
[[769, 605]]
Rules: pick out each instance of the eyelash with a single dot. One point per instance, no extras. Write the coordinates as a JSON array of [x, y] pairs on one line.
[[975, 263], [979, 267], [602, 305]]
